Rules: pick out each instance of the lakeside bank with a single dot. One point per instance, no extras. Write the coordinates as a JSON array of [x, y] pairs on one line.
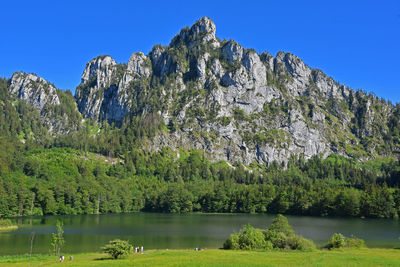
[[217, 257]]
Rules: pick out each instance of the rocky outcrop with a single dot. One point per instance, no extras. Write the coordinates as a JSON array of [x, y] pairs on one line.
[[99, 94], [51, 103], [203, 30], [233, 103], [34, 90], [138, 65]]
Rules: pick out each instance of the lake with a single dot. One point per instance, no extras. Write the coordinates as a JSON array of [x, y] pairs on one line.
[[87, 233]]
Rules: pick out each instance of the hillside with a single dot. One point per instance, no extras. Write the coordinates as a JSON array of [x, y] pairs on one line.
[[202, 124]]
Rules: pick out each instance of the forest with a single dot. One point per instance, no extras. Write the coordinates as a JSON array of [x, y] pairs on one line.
[[69, 181], [103, 168]]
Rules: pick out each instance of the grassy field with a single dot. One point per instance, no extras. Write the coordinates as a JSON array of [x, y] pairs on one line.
[[214, 257]]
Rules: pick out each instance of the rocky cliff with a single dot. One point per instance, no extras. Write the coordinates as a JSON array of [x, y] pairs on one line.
[[234, 103], [57, 109], [33, 89]]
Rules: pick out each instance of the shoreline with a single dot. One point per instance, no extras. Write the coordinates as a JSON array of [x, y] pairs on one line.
[[318, 249], [199, 213], [8, 228]]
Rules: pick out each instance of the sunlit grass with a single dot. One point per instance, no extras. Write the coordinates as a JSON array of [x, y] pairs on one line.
[[214, 257]]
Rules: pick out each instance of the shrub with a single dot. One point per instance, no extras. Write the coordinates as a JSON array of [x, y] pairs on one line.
[[297, 242], [337, 241], [281, 224], [340, 241], [277, 239], [232, 242], [5, 223], [239, 114], [281, 235], [248, 238], [117, 248], [251, 238], [353, 242], [268, 245]]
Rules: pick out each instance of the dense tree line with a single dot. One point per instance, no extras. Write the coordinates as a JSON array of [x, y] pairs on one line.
[[68, 181]]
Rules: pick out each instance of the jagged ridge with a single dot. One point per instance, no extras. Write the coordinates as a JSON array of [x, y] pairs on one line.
[[233, 103]]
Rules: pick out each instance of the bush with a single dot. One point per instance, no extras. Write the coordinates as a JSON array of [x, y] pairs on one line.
[[279, 235], [281, 224], [248, 238], [117, 248], [277, 239], [340, 241], [337, 241], [297, 242], [279, 232], [232, 242], [353, 242], [5, 223]]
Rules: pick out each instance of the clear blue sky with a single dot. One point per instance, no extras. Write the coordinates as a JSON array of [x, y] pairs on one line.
[[355, 42]]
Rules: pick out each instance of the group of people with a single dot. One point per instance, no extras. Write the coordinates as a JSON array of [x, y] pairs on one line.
[[62, 258], [139, 249]]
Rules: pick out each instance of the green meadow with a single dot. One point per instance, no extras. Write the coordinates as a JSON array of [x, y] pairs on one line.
[[215, 257]]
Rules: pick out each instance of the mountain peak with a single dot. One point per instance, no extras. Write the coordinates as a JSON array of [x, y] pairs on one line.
[[203, 30], [204, 25], [96, 66], [33, 89]]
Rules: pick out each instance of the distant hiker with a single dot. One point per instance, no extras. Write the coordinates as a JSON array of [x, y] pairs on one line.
[[141, 250], [71, 258], [61, 258]]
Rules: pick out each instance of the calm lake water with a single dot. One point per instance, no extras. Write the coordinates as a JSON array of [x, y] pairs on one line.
[[87, 233]]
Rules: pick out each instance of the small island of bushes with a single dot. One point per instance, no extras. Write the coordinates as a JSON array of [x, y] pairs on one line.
[[6, 225]]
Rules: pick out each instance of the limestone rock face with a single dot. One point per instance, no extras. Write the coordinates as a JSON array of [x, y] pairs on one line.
[[44, 97], [101, 69], [137, 65], [99, 94], [233, 51], [34, 90], [205, 29], [234, 103]]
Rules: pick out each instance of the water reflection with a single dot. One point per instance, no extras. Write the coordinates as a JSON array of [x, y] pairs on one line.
[[87, 233]]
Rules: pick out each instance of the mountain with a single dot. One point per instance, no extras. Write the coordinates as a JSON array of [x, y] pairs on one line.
[[214, 95], [201, 124]]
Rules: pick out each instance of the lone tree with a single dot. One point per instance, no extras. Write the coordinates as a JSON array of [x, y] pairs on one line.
[[117, 248], [57, 240]]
